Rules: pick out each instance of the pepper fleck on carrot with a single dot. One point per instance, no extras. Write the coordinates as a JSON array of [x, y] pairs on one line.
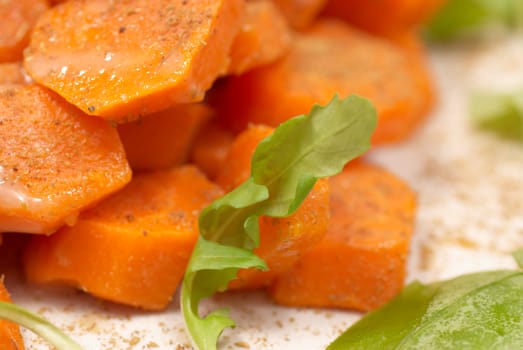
[[134, 246], [361, 261], [125, 59], [54, 160]]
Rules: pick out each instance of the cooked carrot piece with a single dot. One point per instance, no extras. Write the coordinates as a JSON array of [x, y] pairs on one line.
[[263, 37], [210, 148], [299, 13], [282, 240], [134, 246], [361, 262], [237, 164], [124, 59], [10, 336], [383, 16], [18, 18], [163, 139], [392, 75], [13, 73], [54, 160]]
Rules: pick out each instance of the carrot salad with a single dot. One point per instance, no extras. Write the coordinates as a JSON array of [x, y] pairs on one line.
[[123, 123]]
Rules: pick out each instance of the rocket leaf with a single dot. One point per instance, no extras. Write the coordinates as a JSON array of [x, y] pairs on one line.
[[284, 168]]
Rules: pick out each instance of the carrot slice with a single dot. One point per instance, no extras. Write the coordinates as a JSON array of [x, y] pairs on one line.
[[391, 74], [263, 37], [152, 222], [13, 73], [299, 13], [237, 165], [163, 139], [121, 59], [18, 18], [361, 262], [383, 16], [54, 160], [210, 148], [10, 336], [282, 240]]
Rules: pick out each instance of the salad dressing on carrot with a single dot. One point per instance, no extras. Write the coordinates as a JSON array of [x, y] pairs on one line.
[[15, 196]]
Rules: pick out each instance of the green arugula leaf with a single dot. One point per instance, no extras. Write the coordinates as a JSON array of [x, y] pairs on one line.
[[284, 168], [472, 17], [475, 311], [38, 325], [501, 113]]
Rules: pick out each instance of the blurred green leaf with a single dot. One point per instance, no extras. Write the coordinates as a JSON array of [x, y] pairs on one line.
[[501, 113], [462, 18]]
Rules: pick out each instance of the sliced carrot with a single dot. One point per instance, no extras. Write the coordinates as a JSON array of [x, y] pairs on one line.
[[163, 139], [18, 18], [10, 336], [391, 74], [210, 148], [383, 16], [121, 59], [282, 240], [13, 73], [361, 262], [54, 160], [299, 13], [263, 37], [237, 164], [134, 246]]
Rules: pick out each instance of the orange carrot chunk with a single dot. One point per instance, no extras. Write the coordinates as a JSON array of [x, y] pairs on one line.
[[12, 74], [282, 240], [54, 160], [134, 246], [125, 59], [163, 139], [10, 336], [383, 16], [392, 75], [18, 18], [210, 148], [299, 13], [237, 164], [263, 37], [361, 262]]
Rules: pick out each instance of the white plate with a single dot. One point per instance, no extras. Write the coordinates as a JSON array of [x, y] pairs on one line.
[[470, 218]]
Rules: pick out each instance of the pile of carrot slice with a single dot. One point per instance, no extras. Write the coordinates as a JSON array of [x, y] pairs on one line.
[[120, 121]]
